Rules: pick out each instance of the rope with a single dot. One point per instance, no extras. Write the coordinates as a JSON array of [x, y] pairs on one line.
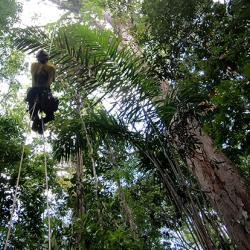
[[14, 199], [19, 174], [45, 160], [16, 187], [46, 185], [52, 39]]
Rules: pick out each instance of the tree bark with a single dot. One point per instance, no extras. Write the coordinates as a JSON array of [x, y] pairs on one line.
[[197, 228], [80, 207], [217, 176], [127, 210], [80, 105]]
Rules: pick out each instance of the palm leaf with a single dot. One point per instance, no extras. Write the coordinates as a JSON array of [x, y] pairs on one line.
[[94, 59]]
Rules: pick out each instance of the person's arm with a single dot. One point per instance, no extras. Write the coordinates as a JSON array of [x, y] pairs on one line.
[[33, 71], [52, 74]]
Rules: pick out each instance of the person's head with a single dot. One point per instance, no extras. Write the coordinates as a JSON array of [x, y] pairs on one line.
[[42, 56]]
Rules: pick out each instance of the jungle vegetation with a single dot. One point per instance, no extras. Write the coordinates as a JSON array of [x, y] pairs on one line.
[[150, 146]]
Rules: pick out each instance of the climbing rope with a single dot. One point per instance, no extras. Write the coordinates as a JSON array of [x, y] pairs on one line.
[[17, 185], [19, 174], [14, 199], [45, 160], [46, 186], [51, 40]]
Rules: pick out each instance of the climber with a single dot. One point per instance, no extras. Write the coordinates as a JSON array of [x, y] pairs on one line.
[[39, 96]]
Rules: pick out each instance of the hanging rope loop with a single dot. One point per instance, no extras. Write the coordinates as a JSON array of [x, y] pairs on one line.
[[20, 169], [46, 185], [17, 186]]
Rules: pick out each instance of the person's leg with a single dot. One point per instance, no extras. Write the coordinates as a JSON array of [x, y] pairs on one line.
[[49, 116], [37, 125], [50, 107], [33, 110], [33, 103]]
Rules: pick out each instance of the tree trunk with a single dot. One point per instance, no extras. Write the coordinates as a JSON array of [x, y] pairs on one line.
[[80, 206], [127, 210], [197, 228], [80, 106], [217, 176], [122, 29]]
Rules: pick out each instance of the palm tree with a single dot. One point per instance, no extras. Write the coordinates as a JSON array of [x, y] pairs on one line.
[[92, 60]]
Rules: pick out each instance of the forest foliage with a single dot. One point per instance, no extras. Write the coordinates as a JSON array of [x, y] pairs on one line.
[[125, 70]]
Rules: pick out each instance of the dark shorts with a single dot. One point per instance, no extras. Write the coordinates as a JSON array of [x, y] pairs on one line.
[[43, 98]]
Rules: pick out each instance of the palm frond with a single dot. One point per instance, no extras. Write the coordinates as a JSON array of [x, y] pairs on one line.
[[101, 126], [95, 60]]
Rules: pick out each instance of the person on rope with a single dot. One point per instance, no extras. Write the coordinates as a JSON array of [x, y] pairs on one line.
[[39, 96]]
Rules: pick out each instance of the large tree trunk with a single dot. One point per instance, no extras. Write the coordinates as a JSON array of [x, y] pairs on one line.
[[218, 178]]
